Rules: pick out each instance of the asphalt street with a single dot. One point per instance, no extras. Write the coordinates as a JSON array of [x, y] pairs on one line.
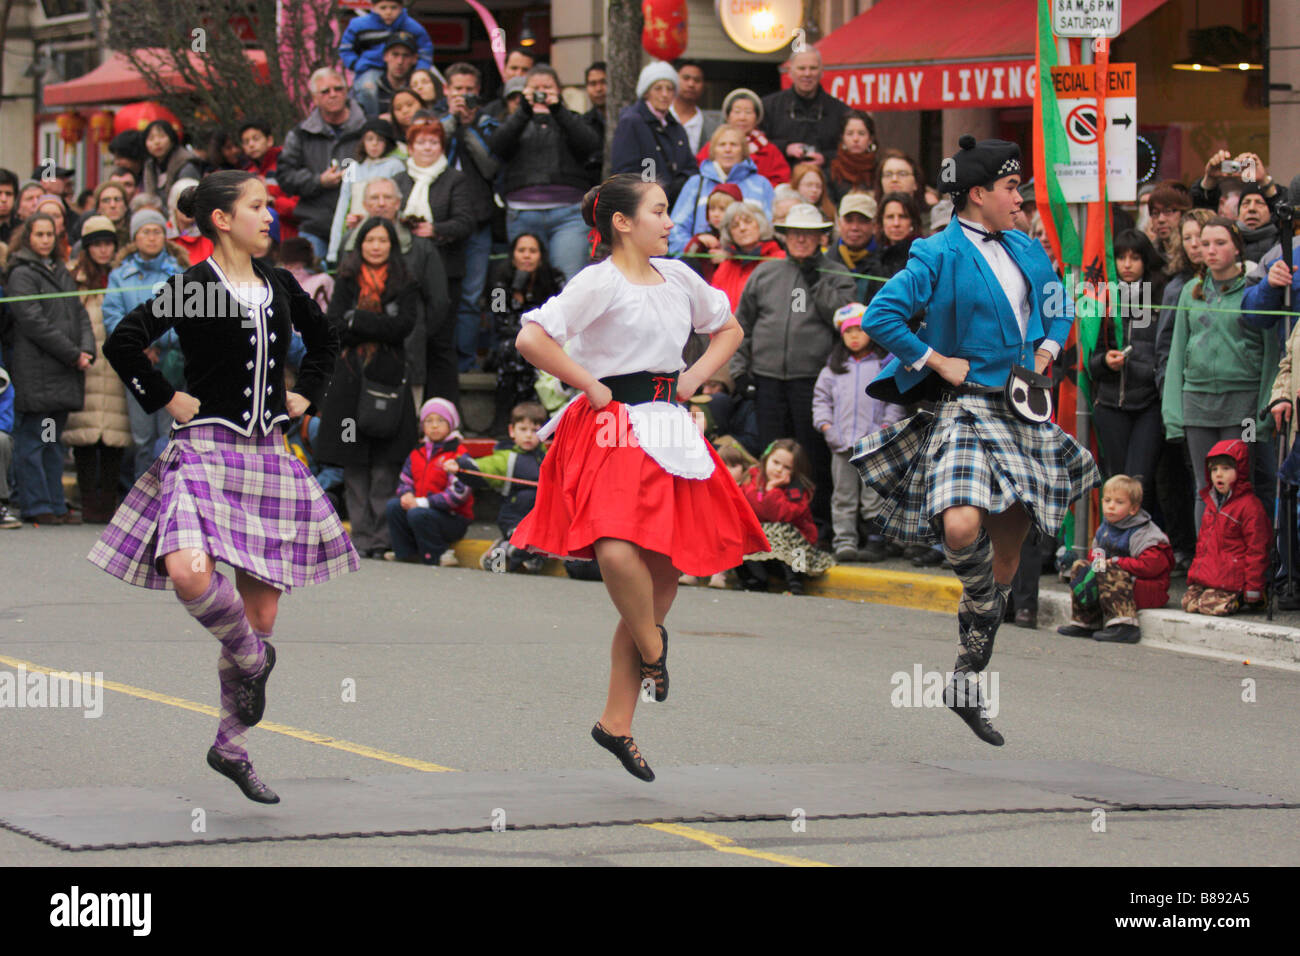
[[402, 669]]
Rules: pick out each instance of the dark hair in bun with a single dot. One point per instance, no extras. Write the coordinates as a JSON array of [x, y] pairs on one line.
[[620, 193], [215, 191]]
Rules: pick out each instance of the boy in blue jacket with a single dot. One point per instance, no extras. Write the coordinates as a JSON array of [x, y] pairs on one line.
[[977, 471], [362, 48]]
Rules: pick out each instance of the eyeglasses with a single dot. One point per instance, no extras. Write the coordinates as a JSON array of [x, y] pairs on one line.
[[896, 174]]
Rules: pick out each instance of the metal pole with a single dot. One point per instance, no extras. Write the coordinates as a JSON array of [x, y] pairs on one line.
[[1083, 414]]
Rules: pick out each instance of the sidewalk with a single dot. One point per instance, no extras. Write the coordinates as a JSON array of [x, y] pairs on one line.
[[1242, 637]]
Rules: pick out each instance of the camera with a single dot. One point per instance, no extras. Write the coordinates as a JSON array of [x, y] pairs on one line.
[[1230, 167], [539, 96], [471, 101]]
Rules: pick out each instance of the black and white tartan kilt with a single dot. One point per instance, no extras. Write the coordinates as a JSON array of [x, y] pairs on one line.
[[971, 451]]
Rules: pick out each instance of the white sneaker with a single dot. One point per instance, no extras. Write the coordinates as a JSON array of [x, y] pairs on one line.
[[448, 559], [8, 519]]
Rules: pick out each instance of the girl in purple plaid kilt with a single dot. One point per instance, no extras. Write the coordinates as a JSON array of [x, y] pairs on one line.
[[227, 488], [971, 473]]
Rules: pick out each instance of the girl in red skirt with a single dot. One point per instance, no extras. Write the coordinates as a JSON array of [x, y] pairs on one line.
[[629, 480]]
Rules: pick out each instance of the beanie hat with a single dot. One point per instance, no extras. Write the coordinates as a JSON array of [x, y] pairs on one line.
[[652, 73], [96, 228], [730, 189], [145, 217], [977, 164], [849, 316], [442, 408], [179, 187], [747, 94]]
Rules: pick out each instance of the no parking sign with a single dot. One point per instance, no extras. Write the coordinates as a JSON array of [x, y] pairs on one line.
[[1076, 97]]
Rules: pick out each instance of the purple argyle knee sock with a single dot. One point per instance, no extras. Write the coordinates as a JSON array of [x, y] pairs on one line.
[[230, 731], [221, 610]]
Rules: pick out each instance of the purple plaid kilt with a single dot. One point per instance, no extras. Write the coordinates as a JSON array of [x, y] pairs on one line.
[[246, 501], [972, 451]]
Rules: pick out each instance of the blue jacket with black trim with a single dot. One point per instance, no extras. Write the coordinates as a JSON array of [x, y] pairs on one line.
[[966, 314]]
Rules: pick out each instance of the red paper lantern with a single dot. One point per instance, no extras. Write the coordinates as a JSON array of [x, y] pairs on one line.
[[71, 125], [101, 124], [664, 33], [140, 115]]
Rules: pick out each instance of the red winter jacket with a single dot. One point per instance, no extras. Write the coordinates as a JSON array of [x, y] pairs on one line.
[[425, 476], [786, 505], [1150, 571], [1232, 549], [731, 274], [284, 205]]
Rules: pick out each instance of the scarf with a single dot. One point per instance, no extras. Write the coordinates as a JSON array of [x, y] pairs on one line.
[[853, 168], [756, 141], [372, 280], [851, 257], [417, 203]]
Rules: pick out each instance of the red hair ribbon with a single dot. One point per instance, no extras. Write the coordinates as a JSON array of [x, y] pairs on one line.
[[594, 234]]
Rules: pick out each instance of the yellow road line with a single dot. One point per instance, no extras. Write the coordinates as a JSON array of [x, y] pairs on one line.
[[724, 844], [310, 736], [713, 840]]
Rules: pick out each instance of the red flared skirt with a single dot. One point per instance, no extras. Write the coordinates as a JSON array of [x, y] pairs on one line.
[[590, 489]]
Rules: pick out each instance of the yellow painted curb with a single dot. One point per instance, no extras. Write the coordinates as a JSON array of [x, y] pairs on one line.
[[925, 592]]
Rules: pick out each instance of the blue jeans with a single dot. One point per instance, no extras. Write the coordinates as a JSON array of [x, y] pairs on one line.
[[365, 90], [38, 463], [150, 433], [561, 228], [426, 532], [468, 316], [319, 246]]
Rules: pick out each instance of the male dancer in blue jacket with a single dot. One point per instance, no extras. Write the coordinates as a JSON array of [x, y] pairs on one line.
[[971, 473]]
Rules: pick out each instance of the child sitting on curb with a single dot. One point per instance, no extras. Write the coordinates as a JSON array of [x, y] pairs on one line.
[[1231, 564], [1131, 573], [521, 457], [432, 509], [779, 490]]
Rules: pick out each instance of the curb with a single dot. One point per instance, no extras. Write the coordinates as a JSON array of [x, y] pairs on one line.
[[1258, 643]]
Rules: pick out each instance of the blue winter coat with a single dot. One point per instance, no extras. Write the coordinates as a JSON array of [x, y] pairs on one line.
[[362, 46], [136, 270], [691, 212]]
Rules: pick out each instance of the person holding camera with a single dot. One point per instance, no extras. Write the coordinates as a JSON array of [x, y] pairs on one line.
[[468, 130], [1259, 196], [804, 120], [543, 147]]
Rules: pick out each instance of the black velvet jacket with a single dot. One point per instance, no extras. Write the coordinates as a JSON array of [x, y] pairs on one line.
[[234, 355]]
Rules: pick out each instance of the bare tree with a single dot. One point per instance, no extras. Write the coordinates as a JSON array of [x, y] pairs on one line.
[[623, 64], [5, 7], [197, 42]]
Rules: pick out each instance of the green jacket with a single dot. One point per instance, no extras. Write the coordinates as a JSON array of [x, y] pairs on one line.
[[1212, 352], [501, 462]]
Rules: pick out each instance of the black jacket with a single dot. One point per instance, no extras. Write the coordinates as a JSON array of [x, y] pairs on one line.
[[1133, 387], [234, 364], [337, 442], [595, 118], [789, 118], [308, 149], [640, 136], [49, 336], [544, 149], [453, 215]]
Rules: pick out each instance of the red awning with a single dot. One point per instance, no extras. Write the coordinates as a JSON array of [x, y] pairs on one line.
[[115, 81], [898, 32]]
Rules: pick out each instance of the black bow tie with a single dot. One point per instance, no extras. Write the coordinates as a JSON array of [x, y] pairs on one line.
[[997, 236]]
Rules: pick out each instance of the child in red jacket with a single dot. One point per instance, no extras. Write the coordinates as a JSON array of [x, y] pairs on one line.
[[432, 509], [1132, 571], [779, 491], [1231, 564]]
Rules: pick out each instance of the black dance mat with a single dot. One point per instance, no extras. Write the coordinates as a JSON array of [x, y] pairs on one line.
[[214, 811]]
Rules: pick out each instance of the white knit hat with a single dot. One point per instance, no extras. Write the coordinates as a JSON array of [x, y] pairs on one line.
[[652, 73]]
